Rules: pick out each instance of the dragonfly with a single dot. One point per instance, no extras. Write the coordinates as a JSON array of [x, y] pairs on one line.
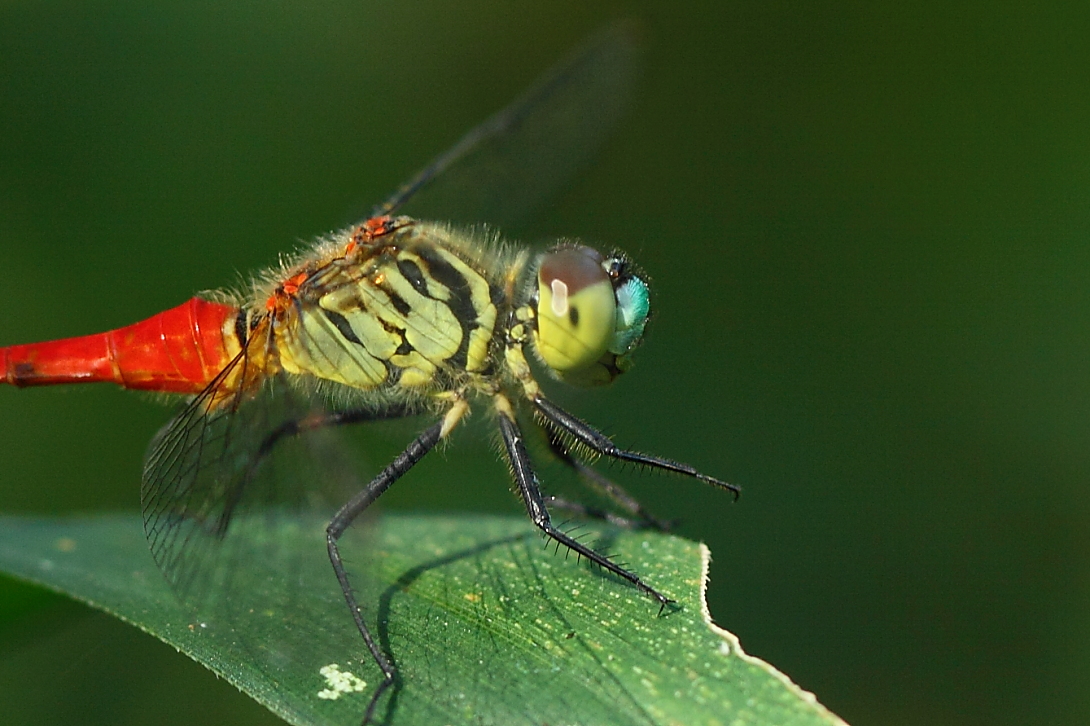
[[390, 318]]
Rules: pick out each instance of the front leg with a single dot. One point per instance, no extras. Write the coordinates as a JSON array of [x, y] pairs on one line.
[[598, 442], [535, 503], [611, 489]]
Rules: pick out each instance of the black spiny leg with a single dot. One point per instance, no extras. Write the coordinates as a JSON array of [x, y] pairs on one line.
[[579, 509], [597, 441], [535, 507], [294, 427], [415, 451], [608, 487]]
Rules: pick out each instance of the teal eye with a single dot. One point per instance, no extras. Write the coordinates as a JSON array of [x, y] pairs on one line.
[[576, 309], [633, 310]]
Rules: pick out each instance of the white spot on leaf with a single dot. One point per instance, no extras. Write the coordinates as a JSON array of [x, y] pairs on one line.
[[339, 683]]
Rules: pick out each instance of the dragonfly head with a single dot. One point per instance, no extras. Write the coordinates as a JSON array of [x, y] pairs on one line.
[[591, 312]]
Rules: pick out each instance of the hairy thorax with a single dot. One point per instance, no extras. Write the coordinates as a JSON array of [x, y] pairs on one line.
[[413, 310]]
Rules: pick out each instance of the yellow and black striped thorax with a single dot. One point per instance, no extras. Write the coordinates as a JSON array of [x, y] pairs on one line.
[[415, 307]]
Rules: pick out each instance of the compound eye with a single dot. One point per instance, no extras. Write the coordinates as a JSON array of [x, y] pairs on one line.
[[576, 310], [633, 310]]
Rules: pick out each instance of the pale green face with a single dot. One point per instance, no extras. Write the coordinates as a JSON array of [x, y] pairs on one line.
[[591, 313]]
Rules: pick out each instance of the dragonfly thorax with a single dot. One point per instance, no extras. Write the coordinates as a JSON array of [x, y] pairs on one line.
[[413, 308]]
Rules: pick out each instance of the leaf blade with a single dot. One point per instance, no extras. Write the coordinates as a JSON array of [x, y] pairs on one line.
[[483, 623]]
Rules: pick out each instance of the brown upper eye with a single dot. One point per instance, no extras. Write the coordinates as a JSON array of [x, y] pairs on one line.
[[576, 267]]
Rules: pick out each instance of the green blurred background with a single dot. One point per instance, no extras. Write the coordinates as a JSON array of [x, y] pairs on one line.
[[869, 229]]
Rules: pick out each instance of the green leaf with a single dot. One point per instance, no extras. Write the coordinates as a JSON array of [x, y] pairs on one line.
[[485, 625]]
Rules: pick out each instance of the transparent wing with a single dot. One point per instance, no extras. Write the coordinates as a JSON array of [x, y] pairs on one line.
[[504, 168], [236, 498], [222, 482]]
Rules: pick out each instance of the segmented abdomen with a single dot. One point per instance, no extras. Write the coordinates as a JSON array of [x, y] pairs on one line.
[[176, 351]]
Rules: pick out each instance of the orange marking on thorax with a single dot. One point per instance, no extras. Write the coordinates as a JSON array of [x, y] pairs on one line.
[[292, 284], [278, 301], [369, 231], [378, 226]]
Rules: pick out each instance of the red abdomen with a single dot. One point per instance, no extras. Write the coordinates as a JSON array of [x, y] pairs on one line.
[[177, 351]]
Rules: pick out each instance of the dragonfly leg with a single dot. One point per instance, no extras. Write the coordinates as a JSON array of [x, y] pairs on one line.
[[595, 440], [578, 509], [642, 519], [585, 511], [539, 514], [344, 517], [294, 427]]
